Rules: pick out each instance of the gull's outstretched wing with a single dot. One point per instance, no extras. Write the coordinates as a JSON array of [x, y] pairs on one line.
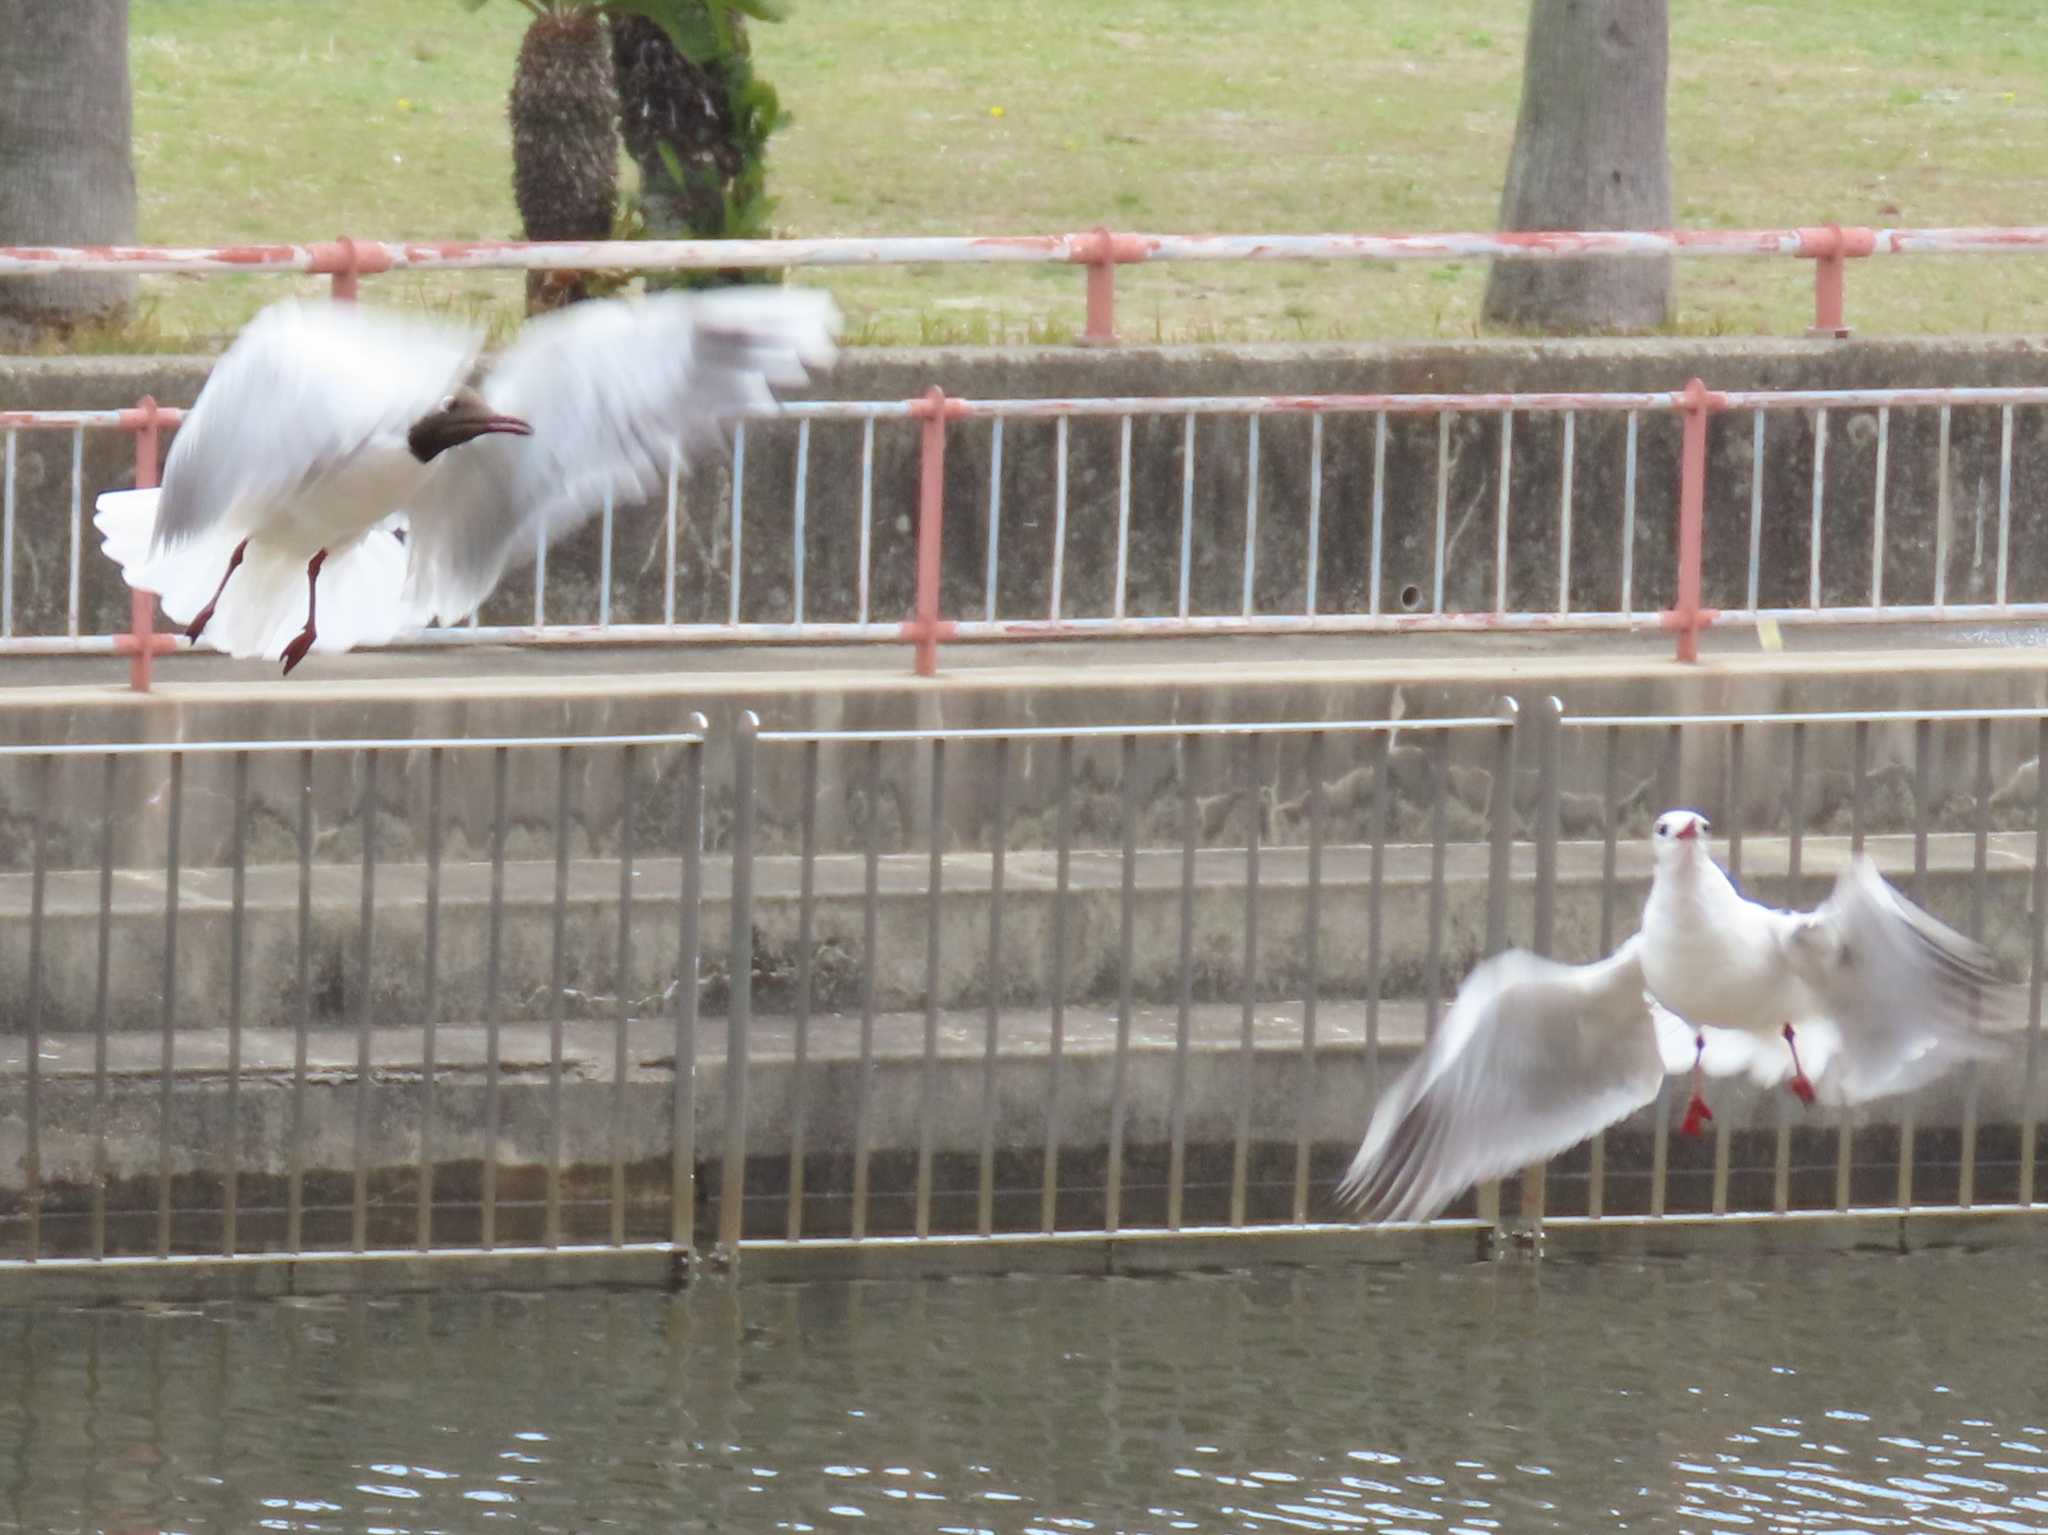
[[1908, 995], [302, 387], [1532, 1058], [614, 391]]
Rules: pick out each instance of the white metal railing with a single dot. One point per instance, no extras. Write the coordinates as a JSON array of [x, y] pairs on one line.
[[1169, 966], [803, 546], [1099, 251]]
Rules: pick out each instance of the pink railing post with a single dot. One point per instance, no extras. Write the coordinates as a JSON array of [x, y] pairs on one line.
[[1101, 252], [344, 261], [1101, 327], [931, 515], [1829, 249], [1686, 615], [142, 637]]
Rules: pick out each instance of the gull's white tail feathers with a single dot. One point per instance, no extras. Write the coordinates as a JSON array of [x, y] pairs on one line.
[[264, 605]]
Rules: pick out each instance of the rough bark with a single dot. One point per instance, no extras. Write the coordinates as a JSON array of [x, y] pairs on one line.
[[1590, 153], [565, 149], [66, 172]]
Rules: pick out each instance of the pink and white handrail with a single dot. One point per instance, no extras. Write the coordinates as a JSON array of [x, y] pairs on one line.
[[843, 608], [1100, 251]]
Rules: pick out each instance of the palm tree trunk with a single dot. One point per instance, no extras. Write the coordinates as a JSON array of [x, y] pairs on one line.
[[565, 149], [1589, 153]]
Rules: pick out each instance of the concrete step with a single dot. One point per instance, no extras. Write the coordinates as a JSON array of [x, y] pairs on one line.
[[1417, 940], [612, 1104]]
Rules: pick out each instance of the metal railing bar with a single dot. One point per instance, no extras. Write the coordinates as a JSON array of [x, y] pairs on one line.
[[1379, 510], [927, 1101], [1059, 515], [101, 1019], [1240, 1152], [1942, 510], [168, 1006], [1820, 459], [238, 856], [871, 848], [1311, 948], [359, 1224], [98, 749], [77, 531], [1756, 505], [683, 1108], [736, 530], [302, 1014], [1184, 998], [1063, 844], [1146, 731], [1798, 717], [797, 509], [995, 516], [998, 840], [740, 991], [806, 929], [2004, 500], [1127, 908], [430, 1008], [1251, 512], [493, 1013], [1501, 510], [1315, 513], [558, 1000], [32, 1024]]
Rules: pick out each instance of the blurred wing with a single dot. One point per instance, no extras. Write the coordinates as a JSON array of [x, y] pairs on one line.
[[302, 386], [1533, 1057], [1908, 994], [615, 393]]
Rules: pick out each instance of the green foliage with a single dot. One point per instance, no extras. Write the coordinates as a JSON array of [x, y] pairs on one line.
[[702, 32], [728, 202]]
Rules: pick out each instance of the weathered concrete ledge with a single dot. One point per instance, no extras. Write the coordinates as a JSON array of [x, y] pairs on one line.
[[1398, 963], [503, 692]]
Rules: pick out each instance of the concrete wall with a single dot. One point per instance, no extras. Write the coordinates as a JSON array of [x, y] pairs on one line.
[[832, 493]]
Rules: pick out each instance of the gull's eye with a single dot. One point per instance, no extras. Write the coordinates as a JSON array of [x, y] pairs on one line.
[[448, 403]]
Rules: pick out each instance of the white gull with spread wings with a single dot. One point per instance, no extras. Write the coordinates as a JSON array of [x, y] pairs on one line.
[[1535, 1056], [338, 481]]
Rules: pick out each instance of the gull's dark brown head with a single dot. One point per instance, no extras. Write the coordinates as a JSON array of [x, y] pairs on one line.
[[460, 418]]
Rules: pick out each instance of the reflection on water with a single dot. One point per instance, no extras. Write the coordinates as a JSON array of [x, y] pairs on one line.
[[1818, 1393]]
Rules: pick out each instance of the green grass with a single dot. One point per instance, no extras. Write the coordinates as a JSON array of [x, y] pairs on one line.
[[385, 118]]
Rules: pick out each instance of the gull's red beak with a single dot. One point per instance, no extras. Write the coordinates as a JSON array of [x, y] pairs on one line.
[[1687, 832]]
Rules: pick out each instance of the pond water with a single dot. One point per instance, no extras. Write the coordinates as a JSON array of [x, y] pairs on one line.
[[1826, 1392]]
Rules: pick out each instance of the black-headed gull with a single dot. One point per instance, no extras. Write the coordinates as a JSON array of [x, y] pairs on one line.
[[1535, 1056], [326, 429]]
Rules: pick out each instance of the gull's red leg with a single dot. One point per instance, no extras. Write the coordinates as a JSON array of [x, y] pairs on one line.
[[205, 615], [1697, 1115], [1801, 1084], [295, 652]]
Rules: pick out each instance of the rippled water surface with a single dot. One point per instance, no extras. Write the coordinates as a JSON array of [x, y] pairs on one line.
[[1819, 1393]]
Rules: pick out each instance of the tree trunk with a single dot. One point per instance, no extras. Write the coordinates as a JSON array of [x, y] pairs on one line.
[[565, 149], [1589, 153], [66, 173]]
